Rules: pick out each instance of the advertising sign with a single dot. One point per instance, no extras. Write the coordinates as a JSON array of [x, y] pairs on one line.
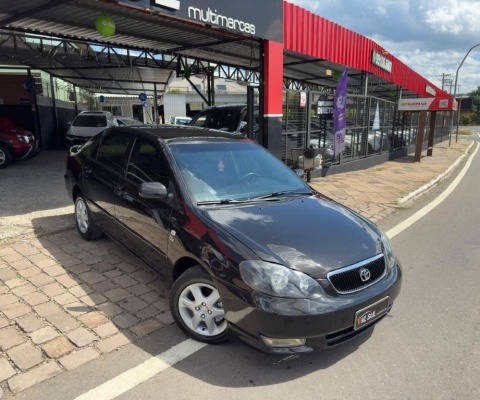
[[303, 99], [265, 22], [431, 104], [381, 61], [324, 107], [340, 108]]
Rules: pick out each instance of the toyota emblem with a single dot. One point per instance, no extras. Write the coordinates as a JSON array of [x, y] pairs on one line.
[[365, 275]]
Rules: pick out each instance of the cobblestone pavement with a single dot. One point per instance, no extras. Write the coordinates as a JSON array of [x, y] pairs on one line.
[[65, 302], [374, 192]]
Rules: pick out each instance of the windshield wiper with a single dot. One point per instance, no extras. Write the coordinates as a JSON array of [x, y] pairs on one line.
[[277, 194], [221, 202]]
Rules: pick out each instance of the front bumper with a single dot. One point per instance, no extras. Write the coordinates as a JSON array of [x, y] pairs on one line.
[[29, 150], [323, 323]]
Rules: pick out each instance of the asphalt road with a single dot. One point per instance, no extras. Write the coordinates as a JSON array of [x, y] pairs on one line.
[[427, 348]]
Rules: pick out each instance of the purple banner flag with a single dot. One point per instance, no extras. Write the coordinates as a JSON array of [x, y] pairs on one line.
[[340, 107]]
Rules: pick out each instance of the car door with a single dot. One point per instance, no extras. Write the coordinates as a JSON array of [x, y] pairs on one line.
[[146, 220], [101, 173]]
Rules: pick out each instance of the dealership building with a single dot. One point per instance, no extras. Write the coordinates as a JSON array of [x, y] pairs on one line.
[[288, 58]]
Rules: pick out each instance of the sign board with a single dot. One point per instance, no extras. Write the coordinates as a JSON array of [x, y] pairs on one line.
[[236, 16], [381, 61], [303, 99], [324, 107], [431, 90], [431, 104]]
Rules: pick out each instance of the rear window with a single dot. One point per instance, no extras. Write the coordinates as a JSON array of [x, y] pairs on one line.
[[90, 121], [223, 121]]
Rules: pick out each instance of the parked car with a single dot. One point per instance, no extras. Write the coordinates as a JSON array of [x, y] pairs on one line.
[[179, 120], [253, 253], [15, 143], [87, 124], [229, 118], [127, 121]]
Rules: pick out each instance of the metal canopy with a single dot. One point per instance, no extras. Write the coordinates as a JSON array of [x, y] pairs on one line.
[[60, 38], [305, 72]]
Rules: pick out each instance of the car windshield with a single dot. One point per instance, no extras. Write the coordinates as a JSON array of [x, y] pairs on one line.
[[223, 121], [218, 171], [90, 121]]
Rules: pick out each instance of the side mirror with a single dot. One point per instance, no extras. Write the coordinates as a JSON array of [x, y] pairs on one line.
[[153, 191], [69, 123], [299, 172], [74, 149]]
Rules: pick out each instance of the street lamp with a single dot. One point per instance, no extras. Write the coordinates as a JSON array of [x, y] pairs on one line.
[[455, 94]]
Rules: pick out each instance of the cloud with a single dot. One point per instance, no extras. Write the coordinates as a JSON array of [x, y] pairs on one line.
[[432, 37]]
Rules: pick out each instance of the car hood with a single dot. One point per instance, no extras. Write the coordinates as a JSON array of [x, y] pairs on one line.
[[312, 234], [88, 131]]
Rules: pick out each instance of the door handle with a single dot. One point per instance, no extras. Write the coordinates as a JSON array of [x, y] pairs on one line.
[[87, 170]]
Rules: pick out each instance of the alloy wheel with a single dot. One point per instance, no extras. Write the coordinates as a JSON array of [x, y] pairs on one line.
[[82, 215], [3, 157], [201, 309]]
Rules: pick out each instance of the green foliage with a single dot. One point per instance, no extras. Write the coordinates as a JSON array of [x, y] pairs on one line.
[[475, 120]]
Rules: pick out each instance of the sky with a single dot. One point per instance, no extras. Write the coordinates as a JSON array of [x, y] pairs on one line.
[[430, 36]]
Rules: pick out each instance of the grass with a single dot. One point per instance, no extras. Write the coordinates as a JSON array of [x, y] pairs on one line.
[[379, 169], [403, 208], [465, 133]]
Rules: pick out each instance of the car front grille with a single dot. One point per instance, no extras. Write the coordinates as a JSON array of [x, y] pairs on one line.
[[349, 279]]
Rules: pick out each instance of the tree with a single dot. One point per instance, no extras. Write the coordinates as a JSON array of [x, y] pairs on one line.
[[475, 120]]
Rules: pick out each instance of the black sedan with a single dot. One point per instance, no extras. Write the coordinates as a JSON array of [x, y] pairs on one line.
[[252, 252]]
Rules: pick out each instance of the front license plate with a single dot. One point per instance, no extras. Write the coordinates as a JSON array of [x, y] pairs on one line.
[[371, 313]]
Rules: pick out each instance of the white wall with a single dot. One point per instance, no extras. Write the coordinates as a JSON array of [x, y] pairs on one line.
[[174, 105]]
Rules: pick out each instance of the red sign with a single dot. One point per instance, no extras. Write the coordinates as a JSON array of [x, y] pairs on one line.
[[303, 99]]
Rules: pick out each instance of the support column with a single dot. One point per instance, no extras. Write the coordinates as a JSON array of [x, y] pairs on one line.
[[272, 97], [34, 107], [421, 133], [431, 136], [54, 114], [75, 99], [155, 104]]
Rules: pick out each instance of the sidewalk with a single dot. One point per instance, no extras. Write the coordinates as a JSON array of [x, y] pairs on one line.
[[375, 192], [65, 302]]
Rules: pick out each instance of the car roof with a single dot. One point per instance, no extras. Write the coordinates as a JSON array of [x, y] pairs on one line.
[[178, 133], [225, 107], [94, 112]]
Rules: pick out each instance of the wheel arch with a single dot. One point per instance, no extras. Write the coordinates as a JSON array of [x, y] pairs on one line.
[[182, 265]]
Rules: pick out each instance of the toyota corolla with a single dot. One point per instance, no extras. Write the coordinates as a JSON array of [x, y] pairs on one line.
[[251, 251]]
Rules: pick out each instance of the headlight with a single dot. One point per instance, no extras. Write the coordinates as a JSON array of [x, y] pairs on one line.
[[277, 280], [23, 138], [387, 251]]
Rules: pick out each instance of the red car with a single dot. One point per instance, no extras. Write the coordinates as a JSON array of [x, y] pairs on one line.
[[15, 143]]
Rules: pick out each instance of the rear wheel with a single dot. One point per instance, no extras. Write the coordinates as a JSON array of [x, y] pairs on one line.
[[197, 307], [86, 227], [5, 157]]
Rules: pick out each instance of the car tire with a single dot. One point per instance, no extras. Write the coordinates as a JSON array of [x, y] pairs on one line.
[[197, 308], [86, 227], [5, 157]]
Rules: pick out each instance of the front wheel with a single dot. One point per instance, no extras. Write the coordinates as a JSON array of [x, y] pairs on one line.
[[86, 227], [5, 157], [197, 308]]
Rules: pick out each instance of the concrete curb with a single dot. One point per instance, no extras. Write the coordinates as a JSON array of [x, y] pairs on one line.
[[434, 182]]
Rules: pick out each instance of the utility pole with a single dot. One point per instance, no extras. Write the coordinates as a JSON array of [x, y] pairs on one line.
[[446, 81]]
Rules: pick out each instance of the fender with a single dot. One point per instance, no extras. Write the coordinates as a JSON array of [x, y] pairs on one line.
[[9, 145]]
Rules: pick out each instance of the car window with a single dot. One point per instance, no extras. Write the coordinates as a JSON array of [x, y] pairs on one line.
[[232, 170], [223, 121], [112, 151], [146, 164], [90, 121], [182, 121]]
